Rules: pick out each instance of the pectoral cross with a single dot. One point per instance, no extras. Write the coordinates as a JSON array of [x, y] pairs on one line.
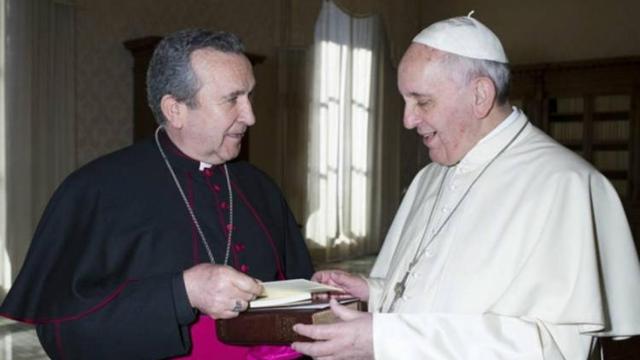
[[400, 287]]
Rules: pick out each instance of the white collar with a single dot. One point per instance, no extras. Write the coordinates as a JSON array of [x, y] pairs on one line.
[[503, 124], [491, 143], [204, 165]]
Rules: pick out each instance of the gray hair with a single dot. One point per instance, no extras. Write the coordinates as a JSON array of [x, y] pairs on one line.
[[468, 69], [170, 71]]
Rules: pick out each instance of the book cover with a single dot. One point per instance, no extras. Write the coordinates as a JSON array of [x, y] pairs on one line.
[[274, 325]]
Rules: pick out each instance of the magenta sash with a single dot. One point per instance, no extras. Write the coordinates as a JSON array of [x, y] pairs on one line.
[[205, 345]]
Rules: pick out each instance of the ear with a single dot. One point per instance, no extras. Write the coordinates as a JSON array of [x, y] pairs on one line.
[[484, 96], [173, 111]]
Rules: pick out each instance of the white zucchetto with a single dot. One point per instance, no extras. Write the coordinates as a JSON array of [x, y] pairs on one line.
[[464, 36]]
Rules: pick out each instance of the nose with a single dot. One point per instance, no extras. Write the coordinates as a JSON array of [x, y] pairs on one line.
[[410, 120], [246, 113]]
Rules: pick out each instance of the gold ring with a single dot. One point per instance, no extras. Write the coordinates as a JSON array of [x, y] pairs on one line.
[[237, 307]]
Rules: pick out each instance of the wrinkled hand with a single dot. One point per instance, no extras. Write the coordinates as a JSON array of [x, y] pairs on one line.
[[349, 339], [216, 290], [353, 285]]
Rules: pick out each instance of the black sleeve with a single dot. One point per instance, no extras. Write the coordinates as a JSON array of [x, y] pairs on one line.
[[185, 314], [297, 260], [145, 321]]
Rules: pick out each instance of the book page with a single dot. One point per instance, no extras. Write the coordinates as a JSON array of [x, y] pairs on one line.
[[289, 291], [308, 304]]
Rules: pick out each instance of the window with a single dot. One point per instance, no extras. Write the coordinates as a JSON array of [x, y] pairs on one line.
[[342, 128]]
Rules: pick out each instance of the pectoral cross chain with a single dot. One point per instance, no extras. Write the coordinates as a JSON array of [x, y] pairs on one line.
[[400, 287]]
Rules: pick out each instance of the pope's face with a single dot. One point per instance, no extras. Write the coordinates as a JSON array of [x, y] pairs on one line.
[[212, 130], [437, 104]]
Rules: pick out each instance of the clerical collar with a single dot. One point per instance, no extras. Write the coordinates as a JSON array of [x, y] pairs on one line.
[[204, 165], [506, 122], [491, 143]]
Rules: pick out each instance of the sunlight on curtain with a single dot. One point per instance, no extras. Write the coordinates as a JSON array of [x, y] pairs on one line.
[[342, 130], [360, 139]]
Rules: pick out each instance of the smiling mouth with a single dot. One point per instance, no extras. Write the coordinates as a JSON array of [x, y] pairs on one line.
[[428, 136], [236, 135]]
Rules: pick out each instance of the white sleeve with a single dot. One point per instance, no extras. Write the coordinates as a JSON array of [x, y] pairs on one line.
[[459, 336], [376, 286]]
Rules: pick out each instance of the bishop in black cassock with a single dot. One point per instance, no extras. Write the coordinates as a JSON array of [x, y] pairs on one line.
[[103, 275]]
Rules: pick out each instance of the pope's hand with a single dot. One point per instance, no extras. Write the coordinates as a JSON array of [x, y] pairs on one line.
[[219, 291], [353, 285], [349, 339]]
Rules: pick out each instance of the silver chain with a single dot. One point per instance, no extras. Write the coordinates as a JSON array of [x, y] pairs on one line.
[[190, 209], [421, 249]]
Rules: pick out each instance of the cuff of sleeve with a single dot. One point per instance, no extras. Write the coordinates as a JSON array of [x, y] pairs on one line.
[[376, 285], [184, 312]]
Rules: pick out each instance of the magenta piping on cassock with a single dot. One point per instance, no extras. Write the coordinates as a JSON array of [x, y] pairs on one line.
[[100, 305], [263, 227]]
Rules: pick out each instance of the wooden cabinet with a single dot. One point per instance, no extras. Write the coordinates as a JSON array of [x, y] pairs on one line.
[[144, 123], [592, 107]]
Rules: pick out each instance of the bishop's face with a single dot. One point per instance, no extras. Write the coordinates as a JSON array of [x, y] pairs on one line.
[[438, 105], [212, 130]]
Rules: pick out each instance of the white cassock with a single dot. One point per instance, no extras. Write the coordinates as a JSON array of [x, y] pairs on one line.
[[536, 261]]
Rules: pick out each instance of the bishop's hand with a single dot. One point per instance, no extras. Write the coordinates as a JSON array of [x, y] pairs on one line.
[[219, 291]]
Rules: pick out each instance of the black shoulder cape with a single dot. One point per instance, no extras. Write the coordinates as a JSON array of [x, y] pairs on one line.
[[105, 263]]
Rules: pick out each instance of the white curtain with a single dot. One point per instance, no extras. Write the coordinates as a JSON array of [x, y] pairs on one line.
[[39, 118], [345, 120]]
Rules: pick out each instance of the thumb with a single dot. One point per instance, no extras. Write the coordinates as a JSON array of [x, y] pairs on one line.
[[343, 312], [340, 278]]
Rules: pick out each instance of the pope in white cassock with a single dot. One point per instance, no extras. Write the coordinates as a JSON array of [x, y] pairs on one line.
[[506, 246]]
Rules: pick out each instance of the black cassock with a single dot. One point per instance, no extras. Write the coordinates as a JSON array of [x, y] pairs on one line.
[[103, 275]]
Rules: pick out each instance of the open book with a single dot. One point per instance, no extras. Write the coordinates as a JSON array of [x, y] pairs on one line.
[[289, 292]]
